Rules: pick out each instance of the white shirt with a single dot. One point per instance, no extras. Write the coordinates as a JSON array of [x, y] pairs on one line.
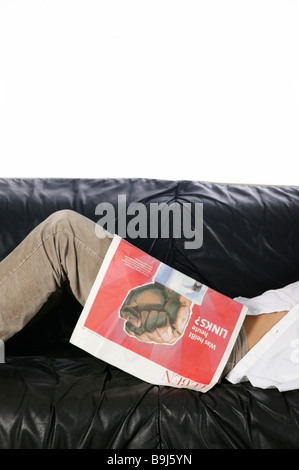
[[274, 360]]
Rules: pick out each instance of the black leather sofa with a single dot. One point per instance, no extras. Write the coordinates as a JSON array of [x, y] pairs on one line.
[[55, 396]]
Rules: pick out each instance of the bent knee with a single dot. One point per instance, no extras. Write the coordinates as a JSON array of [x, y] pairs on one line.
[[62, 218]]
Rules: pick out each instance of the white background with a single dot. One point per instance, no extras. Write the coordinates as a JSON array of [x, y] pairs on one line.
[[205, 90]]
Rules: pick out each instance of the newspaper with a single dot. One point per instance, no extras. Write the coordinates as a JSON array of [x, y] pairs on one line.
[[156, 323]]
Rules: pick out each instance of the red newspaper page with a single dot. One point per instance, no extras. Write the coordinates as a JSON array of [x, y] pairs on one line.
[[156, 323]]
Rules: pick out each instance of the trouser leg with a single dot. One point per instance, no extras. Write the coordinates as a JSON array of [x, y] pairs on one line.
[[238, 352], [63, 248]]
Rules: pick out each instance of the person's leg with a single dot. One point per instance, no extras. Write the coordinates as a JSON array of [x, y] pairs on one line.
[[64, 247], [238, 352]]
